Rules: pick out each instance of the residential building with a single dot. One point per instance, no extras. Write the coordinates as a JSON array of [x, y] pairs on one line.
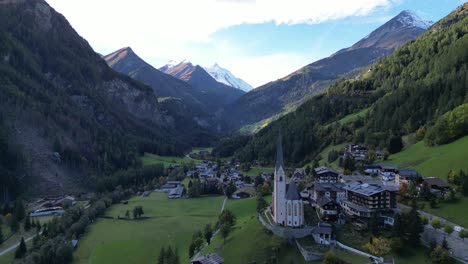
[[405, 176], [325, 174], [363, 199]]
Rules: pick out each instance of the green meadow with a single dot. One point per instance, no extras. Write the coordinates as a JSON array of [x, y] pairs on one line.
[[152, 159], [169, 222], [257, 170], [434, 161]]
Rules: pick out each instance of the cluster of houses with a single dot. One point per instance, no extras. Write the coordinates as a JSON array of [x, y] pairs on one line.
[[356, 198]]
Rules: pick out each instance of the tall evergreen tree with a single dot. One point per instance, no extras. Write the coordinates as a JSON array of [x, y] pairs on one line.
[[208, 233], [21, 250], [415, 226], [27, 223]]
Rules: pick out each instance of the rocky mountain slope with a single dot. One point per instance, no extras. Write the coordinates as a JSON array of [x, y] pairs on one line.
[[68, 117], [215, 94], [286, 93], [175, 94]]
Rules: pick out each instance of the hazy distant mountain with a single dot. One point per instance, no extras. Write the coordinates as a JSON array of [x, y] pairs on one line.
[[225, 76], [216, 94], [274, 97]]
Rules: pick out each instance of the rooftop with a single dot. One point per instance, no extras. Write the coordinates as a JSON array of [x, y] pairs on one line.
[[436, 181], [323, 169], [292, 193], [364, 188], [208, 259]]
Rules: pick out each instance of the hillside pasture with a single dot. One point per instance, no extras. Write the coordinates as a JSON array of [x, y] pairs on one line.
[[169, 223]]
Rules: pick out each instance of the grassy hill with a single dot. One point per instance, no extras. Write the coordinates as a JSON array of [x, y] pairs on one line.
[[171, 222], [433, 161]]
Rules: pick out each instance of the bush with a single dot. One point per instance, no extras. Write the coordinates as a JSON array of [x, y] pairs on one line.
[[463, 234], [435, 223], [448, 229], [424, 220]]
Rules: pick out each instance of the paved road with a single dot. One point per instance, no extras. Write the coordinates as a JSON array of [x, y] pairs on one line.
[[15, 246]]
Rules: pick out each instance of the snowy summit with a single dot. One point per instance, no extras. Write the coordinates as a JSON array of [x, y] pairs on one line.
[[225, 76], [410, 19]]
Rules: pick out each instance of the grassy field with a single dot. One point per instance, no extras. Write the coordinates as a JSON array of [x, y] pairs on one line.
[[255, 171], [433, 161], [194, 150], [324, 155], [152, 159], [171, 222], [454, 212], [250, 242]]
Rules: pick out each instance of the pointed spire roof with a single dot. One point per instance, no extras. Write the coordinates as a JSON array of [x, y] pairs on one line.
[[292, 193], [279, 154]]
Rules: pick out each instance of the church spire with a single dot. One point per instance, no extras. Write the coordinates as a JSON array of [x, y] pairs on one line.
[[279, 154]]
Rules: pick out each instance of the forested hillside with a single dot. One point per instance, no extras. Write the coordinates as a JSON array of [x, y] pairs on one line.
[[65, 116], [407, 91]]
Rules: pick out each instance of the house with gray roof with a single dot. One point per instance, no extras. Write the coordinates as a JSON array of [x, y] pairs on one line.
[[364, 199]]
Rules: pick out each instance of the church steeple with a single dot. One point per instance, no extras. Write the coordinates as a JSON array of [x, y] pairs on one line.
[[279, 154]]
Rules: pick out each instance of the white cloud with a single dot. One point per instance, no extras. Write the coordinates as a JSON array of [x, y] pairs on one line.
[[169, 28]]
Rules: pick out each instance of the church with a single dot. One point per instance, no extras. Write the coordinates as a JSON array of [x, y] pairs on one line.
[[287, 206]]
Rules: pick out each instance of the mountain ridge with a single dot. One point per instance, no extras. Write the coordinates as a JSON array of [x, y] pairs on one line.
[[290, 91], [217, 94]]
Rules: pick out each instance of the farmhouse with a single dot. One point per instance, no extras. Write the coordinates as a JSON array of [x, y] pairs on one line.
[[405, 176], [170, 185], [326, 197], [176, 193], [436, 185], [325, 174]]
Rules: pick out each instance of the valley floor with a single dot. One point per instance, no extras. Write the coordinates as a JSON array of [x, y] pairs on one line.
[[170, 222]]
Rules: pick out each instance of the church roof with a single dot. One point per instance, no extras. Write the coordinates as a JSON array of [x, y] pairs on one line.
[[279, 154], [292, 193]]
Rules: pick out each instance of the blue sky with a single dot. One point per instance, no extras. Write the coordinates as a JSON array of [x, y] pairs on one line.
[[257, 40]]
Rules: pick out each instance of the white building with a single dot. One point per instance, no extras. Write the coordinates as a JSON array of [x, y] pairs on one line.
[[288, 208]]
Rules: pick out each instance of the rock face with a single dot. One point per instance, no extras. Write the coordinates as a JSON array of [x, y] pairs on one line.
[[176, 96], [58, 96], [273, 98]]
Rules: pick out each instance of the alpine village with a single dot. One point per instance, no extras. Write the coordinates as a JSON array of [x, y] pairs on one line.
[[359, 157]]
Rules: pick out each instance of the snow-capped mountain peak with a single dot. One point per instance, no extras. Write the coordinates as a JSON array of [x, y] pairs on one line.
[[225, 76], [410, 19], [173, 63]]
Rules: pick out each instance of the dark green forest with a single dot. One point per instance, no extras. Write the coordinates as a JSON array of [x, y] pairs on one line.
[[54, 83], [406, 91]]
